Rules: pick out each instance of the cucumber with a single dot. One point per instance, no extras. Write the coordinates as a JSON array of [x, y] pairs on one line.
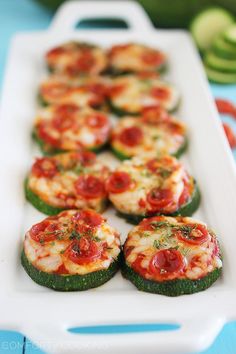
[[230, 35], [69, 282], [223, 49], [220, 77], [174, 287], [208, 24], [224, 65], [185, 210]]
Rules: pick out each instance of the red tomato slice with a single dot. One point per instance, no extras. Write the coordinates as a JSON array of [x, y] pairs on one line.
[[152, 58], [45, 167], [85, 61], [137, 266], [45, 135], [131, 136], [44, 231], [83, 251], [87, 158], [156, 165], [118, 182], [90, 187], [225, 107], [193, 234], [161, 93], [87, 220], [149, 224], [230, 135], [160, 198], [116, 90], [154, 114], [55, 52], [64, 117], [97, 120], [166, 262]]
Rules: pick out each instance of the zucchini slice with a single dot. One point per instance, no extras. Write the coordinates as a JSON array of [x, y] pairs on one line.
[[220, 77], [207, 24], [66, 181], [224, 65], [230, 35], [69, 282], [75, 250], [135, 188], [223, 49], [177, 256]]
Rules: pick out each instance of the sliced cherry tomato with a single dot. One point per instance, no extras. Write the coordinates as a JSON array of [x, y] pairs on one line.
[[166, 262], [85, 61], [45, 167], [98, 88], [90, 187], [161, 93], [86, 221], [154, 114], [44, 231], [194, 234], [83, 251], [97, 120], [118, 182], [160, 198], [230, 135], [150, 223], [158, 165], [150, 57], [64, 117], [131, 136], [225, 107]]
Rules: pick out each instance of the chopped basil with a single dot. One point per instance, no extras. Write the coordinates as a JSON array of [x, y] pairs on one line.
[[74, 235]]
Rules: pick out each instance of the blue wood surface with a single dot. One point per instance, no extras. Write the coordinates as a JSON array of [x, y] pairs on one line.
[[21, 15]]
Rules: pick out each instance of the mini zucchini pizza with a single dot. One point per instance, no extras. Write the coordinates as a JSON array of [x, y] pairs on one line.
[[73, 180], [67, 127], [171, 256], [74, 250], [145, 186], [129, 94], [87, 92], [155, 132], [134, 58], [74, 59]]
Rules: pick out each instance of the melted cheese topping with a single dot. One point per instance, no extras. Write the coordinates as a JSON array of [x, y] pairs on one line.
[[69, 59], [134, 93], [135, 201], [135, 58], [88, 91], [161, 138], [199, 259], [79, 134], [60, 191], [49, 256]]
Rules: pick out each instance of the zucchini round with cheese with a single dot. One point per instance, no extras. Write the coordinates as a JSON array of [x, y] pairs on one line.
[[130, 94], [67, 127], [75, 250], [74, 59], [171, 256], [145, 186], [134, 58], [155, 132], [73, 180], [84, 92]]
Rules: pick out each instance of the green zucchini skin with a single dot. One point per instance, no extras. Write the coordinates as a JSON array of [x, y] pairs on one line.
[[54, 151], [69, 282], [178, 153], [115, 72], [186, 210], [172, 288], [42, 102], [38, 203]]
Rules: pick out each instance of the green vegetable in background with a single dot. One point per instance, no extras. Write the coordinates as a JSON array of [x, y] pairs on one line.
[[168, 13]]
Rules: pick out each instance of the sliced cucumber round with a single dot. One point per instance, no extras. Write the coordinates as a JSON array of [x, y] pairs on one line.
[[230, 34], [216, 63], [208, 24], [223, 49], [220, 77]]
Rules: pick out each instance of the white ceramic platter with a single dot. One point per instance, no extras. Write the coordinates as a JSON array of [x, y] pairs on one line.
[[44, 315]]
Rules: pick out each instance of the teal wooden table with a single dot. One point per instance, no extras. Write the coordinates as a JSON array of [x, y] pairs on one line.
[[21, 15]]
